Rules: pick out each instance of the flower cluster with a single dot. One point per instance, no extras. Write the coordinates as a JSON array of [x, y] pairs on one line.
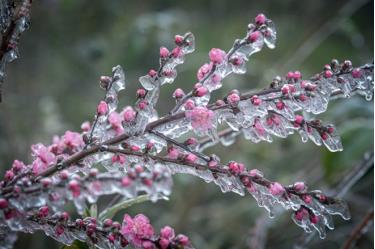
[[137, 151]]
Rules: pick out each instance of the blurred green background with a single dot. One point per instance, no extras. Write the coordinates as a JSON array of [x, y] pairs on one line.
[[54, 87]]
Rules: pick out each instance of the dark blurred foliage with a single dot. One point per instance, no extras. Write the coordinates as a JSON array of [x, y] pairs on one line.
[[53, 87]]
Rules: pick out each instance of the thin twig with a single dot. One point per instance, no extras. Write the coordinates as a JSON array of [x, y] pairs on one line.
[[359, 230]]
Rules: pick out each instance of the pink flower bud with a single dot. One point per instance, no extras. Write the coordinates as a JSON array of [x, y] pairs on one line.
[[276, 189], [85, 126], [191, 141], [299, 186], [297, 75], [219, 102], [102, 108], [178, 39], [3, 203], [217, 55], [255, 100], [164, 243], [152, 73], [307, 199], [191, 158], [125, 181], [176, 52], [299, 119], [324, 136], [233, 99], [331, 130], [43, 211], [212, 164], [129, 114], [314, 219], [173, 153], [189, 104], [167, 232], [164, 52], [9, 175], [142, 105], [75, 188], [254, 36], [280, 105], [328, 73], [290, 75], [356, 73], [141, 93], [178, 93], [260, 19], [200, 91], [183, 240]]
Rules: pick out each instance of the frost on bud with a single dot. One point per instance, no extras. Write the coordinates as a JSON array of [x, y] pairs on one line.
[[201, 118]]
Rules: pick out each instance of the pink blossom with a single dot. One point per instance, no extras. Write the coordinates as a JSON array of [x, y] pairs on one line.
[[44, 158], [201, 118], [17, 166], [203, 71], [276, 188], [102, 108], [259, 127], [167, 232], [129, 114], [115, 120], [217, 55], [166, 235], [137, 229], [73, 139]]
